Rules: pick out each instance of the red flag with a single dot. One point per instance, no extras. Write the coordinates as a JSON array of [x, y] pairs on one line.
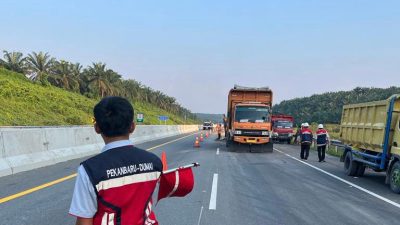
[[178, 183]]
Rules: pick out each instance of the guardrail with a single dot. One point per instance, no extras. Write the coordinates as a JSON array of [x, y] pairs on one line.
[[337, 143], [27, 148]]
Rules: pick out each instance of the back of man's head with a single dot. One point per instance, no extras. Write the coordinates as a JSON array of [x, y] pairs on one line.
[[114, 116]]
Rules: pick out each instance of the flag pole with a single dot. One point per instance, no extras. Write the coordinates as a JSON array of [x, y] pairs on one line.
[[182, 167]]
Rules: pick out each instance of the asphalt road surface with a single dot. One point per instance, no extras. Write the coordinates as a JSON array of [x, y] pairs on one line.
[[230, 188]]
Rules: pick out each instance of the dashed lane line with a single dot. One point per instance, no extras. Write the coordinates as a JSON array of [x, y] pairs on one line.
[[54, 182], [201, 213], [213, 197]]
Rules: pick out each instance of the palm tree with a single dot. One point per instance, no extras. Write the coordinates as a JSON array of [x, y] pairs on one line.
[[66, 75], [13, 61], [98, 79], [116, 83], [39, 65], [132, 89]]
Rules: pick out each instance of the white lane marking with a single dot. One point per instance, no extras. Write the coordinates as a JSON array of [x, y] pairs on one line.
[[344, 181], [217, 151], [201, 213], [213, 197]]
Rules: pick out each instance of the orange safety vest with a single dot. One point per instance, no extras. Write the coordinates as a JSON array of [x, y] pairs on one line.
[[219, 128]]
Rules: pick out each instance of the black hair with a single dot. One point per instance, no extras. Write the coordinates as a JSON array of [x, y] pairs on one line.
[[114, 116]]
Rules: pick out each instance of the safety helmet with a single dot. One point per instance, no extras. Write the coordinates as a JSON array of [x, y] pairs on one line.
[[302, 124], [320, 126], [306, 125]]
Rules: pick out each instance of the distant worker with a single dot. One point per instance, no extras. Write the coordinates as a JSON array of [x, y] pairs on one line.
[[297, 134], [306, 138], [225, 121], [116, 186], [219, 130], [322, 140]]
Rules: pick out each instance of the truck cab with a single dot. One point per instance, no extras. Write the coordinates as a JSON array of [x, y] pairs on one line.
[[252, 123], [282, 128], [249, 119]]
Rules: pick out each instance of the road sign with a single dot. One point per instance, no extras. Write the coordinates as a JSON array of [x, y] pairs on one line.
[[163, 118], [139, 118]]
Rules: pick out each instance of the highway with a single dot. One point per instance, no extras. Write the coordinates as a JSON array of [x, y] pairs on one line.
[[230, 188]]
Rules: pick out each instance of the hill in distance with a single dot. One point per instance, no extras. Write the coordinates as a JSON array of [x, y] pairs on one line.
[[327, 107], [215, 118], [24, 103]]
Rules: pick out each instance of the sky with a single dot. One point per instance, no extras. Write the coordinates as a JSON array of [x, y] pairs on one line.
[[196, 51]]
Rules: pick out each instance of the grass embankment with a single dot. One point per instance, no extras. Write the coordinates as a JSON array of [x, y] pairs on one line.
[[24, 103]]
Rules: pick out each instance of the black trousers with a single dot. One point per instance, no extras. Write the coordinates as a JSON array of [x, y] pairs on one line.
[[321, 152], [305, 150]]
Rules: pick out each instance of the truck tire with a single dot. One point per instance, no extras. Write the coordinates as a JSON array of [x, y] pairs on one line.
[[350, 166], [360, 169], [228, 143], [394, 179]]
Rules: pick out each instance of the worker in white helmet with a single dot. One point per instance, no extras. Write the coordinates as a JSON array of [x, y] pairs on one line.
[[322, 140], [306, 140]]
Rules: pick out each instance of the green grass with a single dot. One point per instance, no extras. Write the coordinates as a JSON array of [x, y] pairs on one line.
[[331, 150], [24, 103]]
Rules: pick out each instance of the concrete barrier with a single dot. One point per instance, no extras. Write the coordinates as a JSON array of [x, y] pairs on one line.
[[27, 148]]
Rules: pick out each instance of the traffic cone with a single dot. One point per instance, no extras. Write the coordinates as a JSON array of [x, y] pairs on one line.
[[197, 143], [201, 137], [164, 160]]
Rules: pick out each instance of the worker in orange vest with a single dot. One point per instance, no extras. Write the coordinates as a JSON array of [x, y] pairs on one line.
[[219, 130]]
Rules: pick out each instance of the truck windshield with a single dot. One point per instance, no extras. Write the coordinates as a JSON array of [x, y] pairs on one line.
[[283, 124], [252, 114]]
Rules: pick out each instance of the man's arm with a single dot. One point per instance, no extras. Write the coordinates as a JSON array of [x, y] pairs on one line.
[[84, 221], [84, 203]]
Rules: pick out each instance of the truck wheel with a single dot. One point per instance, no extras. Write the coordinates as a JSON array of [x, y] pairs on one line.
[[360, 170], [350, 166], [394, 180], [228, 141]]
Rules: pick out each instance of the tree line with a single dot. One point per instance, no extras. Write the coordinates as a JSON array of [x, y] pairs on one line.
[[327, 107], [94, 81]]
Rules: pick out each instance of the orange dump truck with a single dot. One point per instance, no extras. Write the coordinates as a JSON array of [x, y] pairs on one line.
[[249, 119]]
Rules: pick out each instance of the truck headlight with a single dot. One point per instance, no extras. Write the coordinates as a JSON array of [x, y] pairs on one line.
[[275, 134], [239, 132], [290, 134], [265, 133]]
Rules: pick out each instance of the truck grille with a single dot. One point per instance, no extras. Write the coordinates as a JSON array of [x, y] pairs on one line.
[[251, 133]]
